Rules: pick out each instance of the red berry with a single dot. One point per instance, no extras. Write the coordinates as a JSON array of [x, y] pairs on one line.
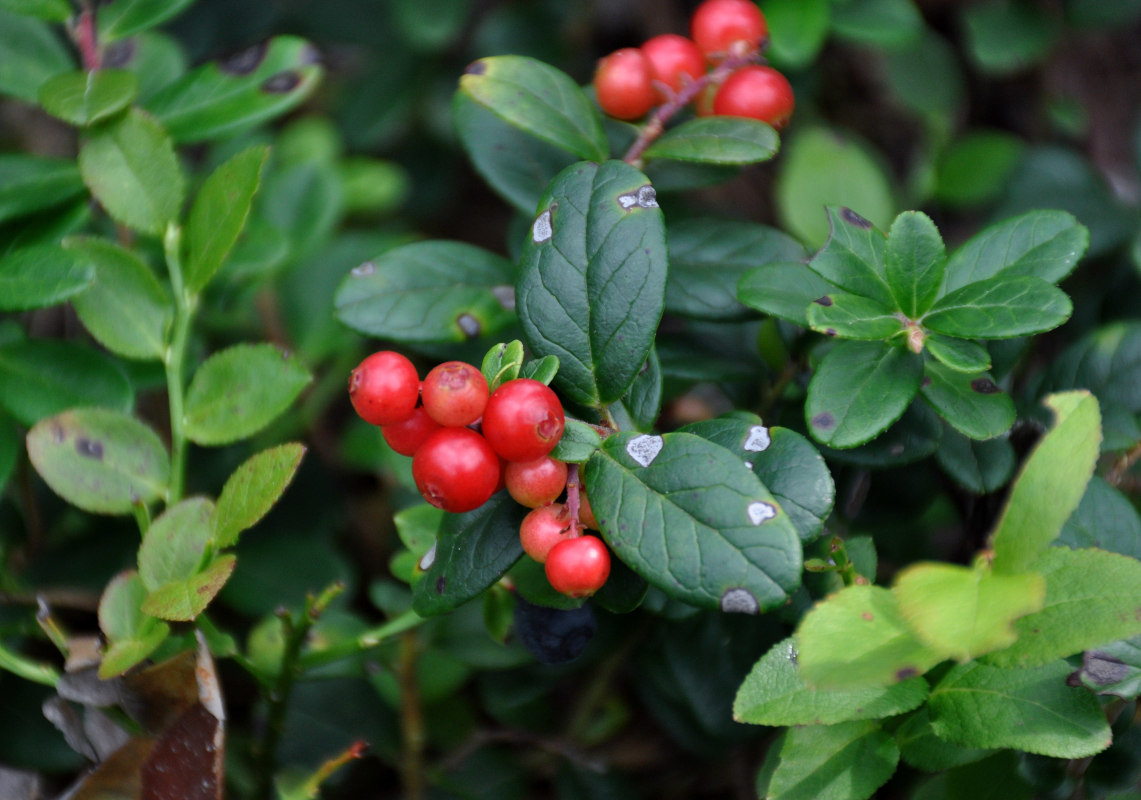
[[455, 394], [535, 483], [407, 436], [544, 528], [456, 469], [624, 84], [523, 420], [724, 27], [757, 92], [578, 567], [675, 60], [384, 388]]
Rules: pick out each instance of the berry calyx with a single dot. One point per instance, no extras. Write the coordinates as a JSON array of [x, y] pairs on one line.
[[578, 567], [535, 483], [406, 437], [675, 60], [523, 420], [455, 469], [384, 388], [455, 394], [756, 92], [728, 27], [624, 84], [544, 528]]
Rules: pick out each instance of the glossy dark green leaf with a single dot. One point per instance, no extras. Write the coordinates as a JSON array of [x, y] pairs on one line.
[[978, 466], [786, 463], [972, 404], [32, 183], [10, 449], [238, 391], [578, 442], [884, 23], [130, 166], [472, 551], [912, 437], [691, 519], [851, 316], [1112, 669], [846, 761], [988, 776], [1000, 308], [638, 409], [1106, 361], [914, 262], [961, 355], [976, 167], [123, 18], [784, 289], [84, 98], [30, 53], [922, 749], [709, 258], [100, 460], [301, 203], [592, 285], [623, 591], [1104, 519], [1006, 36], [224, 98], [797, 31], [253, 489], [854, 258], [859, 389], [41, 377], [428, 292], [717, 140], [538, 99], [41, 276], [131, 634], [925, 76], [219, 214], [126, 309], [51, 10]]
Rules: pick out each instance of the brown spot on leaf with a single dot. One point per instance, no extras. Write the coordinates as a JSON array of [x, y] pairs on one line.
[[282, 82], [905, 673], [869, 616], [926, 381], [853, 218], [824, 421], [829, 331], [476, 68], [985, 386], [119, 54], [246, 61], [89, 448], [441, 584], [823, 301]]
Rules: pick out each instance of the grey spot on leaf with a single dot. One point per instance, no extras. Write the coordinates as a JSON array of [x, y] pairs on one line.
[[89, 448], [429, 558], [1103, 669], [119, 54], [505, 295], [644, 449], [792, 654], [853, 218], [758, 440], [367, 268], [282, 82], [644, 197], [761, 512], [824, 421], [542, 231], [739, 601], [469, 325], [244, 62]]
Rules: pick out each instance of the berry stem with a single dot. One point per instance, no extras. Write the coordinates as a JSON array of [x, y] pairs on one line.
[[573, 501]]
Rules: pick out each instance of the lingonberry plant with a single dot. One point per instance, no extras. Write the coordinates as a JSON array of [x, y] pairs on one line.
[[736, 452]]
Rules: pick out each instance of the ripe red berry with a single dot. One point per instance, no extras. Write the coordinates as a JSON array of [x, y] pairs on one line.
[[456, 469], [455, 394], [724, 27], [544, 528], [407, 436], [757, 92], [578, 567], [523, 420], [384, 388], [535, 483], [675, 60], [623, 83]]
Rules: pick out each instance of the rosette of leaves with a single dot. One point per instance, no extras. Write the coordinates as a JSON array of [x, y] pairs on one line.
[[910, 320]]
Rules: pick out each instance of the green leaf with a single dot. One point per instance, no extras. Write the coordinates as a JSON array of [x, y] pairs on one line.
[[926, 77], [228, 97], [978, 466], [709, 258], [976, 167], [1006, 36], [1051, 483], [972, 404], [857, 638], [219, 214], [922, 749], [1039, 244], [126, 309], [912, 437], [130, 166], [1093, 597], [156, 59], [124, 18], [542, 369], [184, 600], [854, 257], [578, 442], [961, 355], [51, 10], [592, 283], [303, 202], [131, 634], [623, 591], [502, 363], [848, 761], [41, 276], [717, 140], [976, 705], [1107, 361], [428, 292], [851, 316], [100, 460], [240, 390], [775, 694], [1104, 519], [685, 515], [472, 552], [30, 53], [859, 389], [84, 98], [914, 262], [639, 408], [797, 31], [786, 463], [538, 99], [1112, 669], [962, 613], [253, 489], [31, 183], [41, 377], [10, 448], [1000, 308], [172, 554], [418, 526], [884, 23], [784, 290]]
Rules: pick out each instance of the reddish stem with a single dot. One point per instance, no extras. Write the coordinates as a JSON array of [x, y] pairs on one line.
[[86, 39], [573, 502]]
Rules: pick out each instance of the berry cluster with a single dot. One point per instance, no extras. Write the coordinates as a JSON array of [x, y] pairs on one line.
[[725, 33], [467, 443]]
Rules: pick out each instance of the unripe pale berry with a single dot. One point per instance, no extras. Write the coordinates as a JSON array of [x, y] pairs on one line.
[[545, 527]]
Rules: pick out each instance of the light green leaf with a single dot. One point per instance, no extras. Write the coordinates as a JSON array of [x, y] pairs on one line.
[[797, 31], [717, 140], [183, 600], [30, 53], [41, 276], [914, 262], [976, 167], [851, 316], [253, 489], [131, 634], [922, 749], [84, 98], [961, 355], [174, 544], [578, 442], [848, 761], [32, 183], [51, 10], [124, 18]]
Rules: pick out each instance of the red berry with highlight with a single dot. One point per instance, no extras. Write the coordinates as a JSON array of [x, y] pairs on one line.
[[535, 483], [757, 92], [578, 567], [523, 420], [728, 27], [544, 528], [676, 60], [624, 84], [455, 394], [384, 388], [455, 469], [407, 436]]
